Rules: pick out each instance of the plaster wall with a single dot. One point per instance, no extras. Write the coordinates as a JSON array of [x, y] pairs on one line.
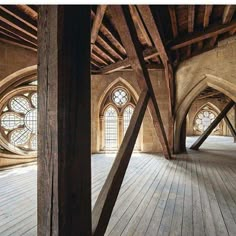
[[99, 84]]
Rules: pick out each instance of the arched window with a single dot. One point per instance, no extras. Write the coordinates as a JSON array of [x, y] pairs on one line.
[[111, 129], [115, 115], [18, 120], [203, 119], [128, 112]]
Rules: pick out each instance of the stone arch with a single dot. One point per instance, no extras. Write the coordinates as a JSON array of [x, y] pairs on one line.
[[223, 86]]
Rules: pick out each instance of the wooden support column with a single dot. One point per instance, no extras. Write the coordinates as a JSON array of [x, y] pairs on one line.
[[108, 195], [230, 126], [129, 38], [64, 168], [217, 120], [235, 120]]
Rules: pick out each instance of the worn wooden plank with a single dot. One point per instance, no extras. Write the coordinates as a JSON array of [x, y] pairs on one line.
[[128, 34], [191, 16], [64, 181], [108, 195], [217, 120], [207, 14]]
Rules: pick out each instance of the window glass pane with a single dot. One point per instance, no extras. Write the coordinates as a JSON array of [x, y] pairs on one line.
[[128, 112], [111, 133], [119, 97]]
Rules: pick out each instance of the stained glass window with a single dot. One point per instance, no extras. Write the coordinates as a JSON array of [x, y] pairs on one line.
[[111, 128], [128, 112], [119, 97]]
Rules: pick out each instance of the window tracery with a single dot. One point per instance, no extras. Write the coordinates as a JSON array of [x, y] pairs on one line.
[[18, 120]]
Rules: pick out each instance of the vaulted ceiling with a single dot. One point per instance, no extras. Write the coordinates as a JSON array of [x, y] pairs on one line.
[[185, 31]]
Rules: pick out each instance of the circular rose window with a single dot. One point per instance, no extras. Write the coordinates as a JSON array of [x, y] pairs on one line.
[[18, 121], [119, 97], [203, 119]]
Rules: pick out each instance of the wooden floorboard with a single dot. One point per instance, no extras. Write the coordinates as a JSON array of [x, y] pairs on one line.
[[195, 194]]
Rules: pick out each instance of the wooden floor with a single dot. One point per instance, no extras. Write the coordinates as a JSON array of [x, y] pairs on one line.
[[192, 195]]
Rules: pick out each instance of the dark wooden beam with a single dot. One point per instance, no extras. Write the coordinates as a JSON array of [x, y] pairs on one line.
[[147, 54], [207, 14], [64, 155], [129, 38], [230, 126], [108, 195], [208, 95], [111, 34], [228, 13], [173, 19], [198, 36], [151, 25], [16, 14], [101, 9], [17, 31], [138, 21], [191, 16], [207, 132]]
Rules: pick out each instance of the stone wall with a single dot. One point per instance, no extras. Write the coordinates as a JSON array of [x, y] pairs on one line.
[[13, 58]]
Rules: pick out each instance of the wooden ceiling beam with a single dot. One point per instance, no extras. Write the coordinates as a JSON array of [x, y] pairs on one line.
[[101, 9], [208, 95], [191, 16], [147, 54], [111, 35], [138, 21], [16, 14], [98, 58], [7, 39], [228, 13], [173, 20], [17, 32], [198, 36], [104, 53], [157, 40], [129, 38], [17, 24], [28, 11], [207, 14], [102, 40]]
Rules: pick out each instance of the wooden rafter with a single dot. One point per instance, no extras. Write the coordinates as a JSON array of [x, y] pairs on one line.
[[208, 95], [108, 195], [207, 132], [147, 54], [191, 15], [157, 40], [228, 13], [198, 36], [28, 11], [97, 23], [129, 38], [138, 21]]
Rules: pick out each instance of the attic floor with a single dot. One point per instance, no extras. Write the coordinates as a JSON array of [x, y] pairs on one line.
[[192, 195]]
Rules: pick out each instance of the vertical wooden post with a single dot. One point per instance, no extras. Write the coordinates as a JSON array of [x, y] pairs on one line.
[[64, 168]]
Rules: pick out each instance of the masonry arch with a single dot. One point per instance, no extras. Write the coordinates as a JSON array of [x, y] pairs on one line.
[[217, 83]]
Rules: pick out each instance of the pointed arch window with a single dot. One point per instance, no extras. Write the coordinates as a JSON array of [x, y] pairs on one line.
[[111, 128], [115, 115]]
